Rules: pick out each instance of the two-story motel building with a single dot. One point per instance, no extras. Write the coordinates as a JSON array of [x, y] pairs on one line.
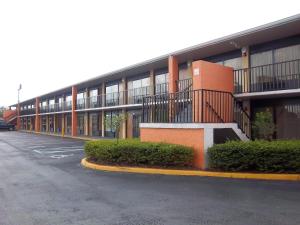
[[190, 86]]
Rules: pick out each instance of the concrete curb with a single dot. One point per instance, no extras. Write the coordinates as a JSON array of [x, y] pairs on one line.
[[282, 177]]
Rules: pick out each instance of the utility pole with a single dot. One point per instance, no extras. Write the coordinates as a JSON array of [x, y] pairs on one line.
[[18, 109]]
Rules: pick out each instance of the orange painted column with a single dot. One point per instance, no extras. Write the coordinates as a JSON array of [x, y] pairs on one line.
[[173, 78], [37, 116], [18, 118], [173, 74], [74, 113]]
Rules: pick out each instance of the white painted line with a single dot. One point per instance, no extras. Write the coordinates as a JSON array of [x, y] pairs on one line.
[[60, 156], [37, 151], [37, 146], [51, 152]]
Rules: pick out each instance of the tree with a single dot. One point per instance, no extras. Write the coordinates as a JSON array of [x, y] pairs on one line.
[[1, 111], [263, 126], [115, 123]]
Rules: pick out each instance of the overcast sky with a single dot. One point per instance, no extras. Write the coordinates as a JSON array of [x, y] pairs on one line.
[[46, 45]]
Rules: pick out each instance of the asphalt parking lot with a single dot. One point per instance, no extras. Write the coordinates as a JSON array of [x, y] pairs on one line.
[[42, 182]]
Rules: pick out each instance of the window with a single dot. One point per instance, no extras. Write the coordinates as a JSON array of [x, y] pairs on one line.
[[68, 102], [161, 83], [93, 92], [51, 103], [287, 54], [235, 63], [94, 98], [109, 129], [113, 97], [81, 100], [137, 89], [183, 72], [140, 83]]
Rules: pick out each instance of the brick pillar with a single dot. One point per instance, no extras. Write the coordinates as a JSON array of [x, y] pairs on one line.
[[54, 123], [246, 88], [173, 74], [124, 125], [152, 82], [74, 113], [246, 64], [173, 78], [125, 101], [47, 123], [86, 114], [37, 116], [63, 124], [124, 93], [102, 124], [102, 113]]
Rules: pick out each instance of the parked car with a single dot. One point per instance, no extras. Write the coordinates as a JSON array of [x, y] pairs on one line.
[[6, 126]]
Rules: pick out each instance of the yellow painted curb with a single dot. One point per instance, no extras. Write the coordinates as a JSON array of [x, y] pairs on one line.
[[59, 135], [286, 177]]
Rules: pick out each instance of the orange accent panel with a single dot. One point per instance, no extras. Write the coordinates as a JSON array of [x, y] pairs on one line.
[[212, 76], [188, 137], [74, 113], [173, 74]]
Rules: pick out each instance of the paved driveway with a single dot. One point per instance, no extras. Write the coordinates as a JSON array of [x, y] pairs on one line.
[[42, 182]]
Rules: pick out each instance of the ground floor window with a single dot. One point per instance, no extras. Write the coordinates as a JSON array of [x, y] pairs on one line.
[[134, 118], [51, 124], [58, 123], [286, 115], [68, 123], [44, 124], [95, 124], [109, 129], [80, 124]]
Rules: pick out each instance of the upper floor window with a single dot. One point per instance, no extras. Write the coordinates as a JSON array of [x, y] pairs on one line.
[[93, 92], [112, 88], [161, 82], [69, 99], [140, 83], [51, 101], [275, 55]]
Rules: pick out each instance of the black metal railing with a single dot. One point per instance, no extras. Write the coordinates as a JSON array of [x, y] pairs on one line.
[[161, 88], [184, 85], [196, 106], [135, 96], [27, 111], [56, 107], [271, 77]]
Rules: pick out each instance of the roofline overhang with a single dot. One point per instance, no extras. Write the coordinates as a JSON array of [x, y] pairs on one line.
[[266, 28]]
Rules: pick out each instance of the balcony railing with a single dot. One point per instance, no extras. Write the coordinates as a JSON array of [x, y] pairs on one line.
[[57, 107], [196, 106], [161, 88], [27, 111], [184, 85], [271, 77], [135, 96], [132, 96]]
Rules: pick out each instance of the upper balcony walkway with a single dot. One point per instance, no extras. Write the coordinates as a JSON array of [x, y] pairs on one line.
[[265, 78]]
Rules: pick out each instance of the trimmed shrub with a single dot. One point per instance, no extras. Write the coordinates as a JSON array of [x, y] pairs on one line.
[[263, 156], [134, 152]]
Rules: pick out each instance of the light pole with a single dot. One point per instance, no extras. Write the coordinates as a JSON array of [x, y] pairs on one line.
[[18, 109]]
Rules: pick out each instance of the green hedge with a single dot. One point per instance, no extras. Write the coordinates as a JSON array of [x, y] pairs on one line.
[[274, 156], [134, 152]]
